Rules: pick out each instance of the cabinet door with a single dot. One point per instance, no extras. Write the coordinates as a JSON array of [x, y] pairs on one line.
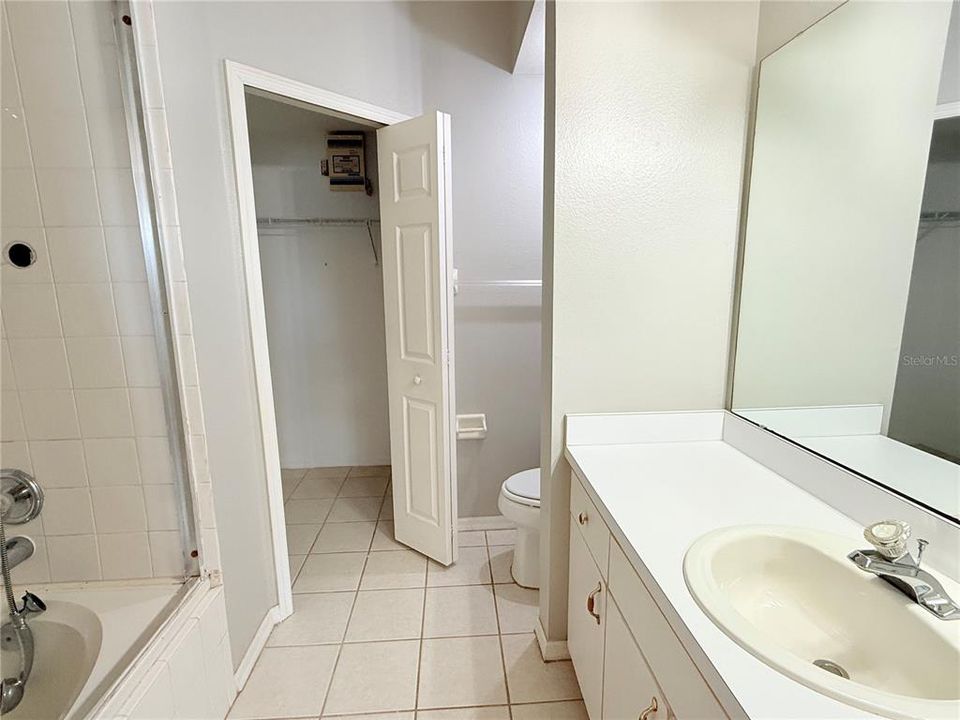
[[585, 624], [629, 690]]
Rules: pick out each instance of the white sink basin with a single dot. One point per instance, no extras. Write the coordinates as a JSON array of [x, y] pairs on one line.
[[790, 597]]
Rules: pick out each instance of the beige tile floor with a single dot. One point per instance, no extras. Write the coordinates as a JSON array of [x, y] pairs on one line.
[[379, 632]]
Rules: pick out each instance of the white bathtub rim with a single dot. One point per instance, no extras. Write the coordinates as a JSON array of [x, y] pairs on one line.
[[130, 677]]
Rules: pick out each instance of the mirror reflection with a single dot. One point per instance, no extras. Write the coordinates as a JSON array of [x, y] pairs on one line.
[[848, 337]]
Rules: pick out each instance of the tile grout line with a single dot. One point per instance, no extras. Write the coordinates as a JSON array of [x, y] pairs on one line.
[[353, 605], [423, 622], [496, 612]]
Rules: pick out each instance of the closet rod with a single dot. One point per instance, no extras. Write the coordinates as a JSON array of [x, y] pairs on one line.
[[315, 221]]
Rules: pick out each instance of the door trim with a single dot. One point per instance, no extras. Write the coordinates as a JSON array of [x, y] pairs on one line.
[[239, 78]]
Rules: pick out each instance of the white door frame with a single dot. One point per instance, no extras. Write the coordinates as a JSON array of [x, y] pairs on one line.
[[239, 78]]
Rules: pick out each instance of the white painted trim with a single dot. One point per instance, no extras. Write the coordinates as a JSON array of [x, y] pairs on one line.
[[550, 649], [270, 621], [946, 110], [239, 78], [487, 522]]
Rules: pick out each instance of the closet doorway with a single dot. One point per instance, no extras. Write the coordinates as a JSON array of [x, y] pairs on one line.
[[345, 226]]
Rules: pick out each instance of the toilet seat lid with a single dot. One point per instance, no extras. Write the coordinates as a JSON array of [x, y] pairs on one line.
[[525, 484]]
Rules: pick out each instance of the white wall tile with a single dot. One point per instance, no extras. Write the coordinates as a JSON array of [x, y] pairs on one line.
[[119, 509], [125, 555], [112, 461], [58, 137], [166, 553], [59, 463], [68, 196], [14, 455], [92, 25], [161, 502], [78, 254], [30, 311], [13, 138], [11, 421], [108, 137], [18, 197], [133, 308], [87, 309], [40, 271], [9, 84], [156, 463], [140, 359], [104, 413], [73, 557], [49, 414], [45, 54], [39, 363], [125, 254], [100, 73], [67, 511], [7, 380], [96, 362], [118, 203], [148, 413]]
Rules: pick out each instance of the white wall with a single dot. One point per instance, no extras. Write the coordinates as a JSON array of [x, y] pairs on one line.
[[843, 125], [412, 57], [650, 103], [323, 292]]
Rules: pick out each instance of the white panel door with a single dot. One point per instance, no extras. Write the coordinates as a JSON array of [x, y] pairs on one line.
[[414, 160]]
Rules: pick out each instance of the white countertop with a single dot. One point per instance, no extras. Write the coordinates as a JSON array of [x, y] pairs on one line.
[[659, 497]]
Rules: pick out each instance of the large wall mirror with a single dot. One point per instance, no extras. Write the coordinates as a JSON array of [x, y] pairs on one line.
[[848, 335]]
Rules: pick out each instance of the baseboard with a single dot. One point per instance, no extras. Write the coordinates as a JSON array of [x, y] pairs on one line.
[[550, 649], [489, 522], [256, 646]]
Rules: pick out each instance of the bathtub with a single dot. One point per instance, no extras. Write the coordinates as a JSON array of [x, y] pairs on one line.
[[84, 642]]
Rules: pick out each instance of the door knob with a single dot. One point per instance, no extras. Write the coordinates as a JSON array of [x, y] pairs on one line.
[[417, 379]]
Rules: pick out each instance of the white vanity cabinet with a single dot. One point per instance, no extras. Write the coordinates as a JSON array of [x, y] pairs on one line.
[[630, 664], [586, 609]]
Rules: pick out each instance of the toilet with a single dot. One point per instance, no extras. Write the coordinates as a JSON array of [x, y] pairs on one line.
[[520, 501]]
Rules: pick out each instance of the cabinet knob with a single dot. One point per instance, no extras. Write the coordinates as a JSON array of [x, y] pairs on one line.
[[582, 518], [591, 602], [417, 379], [649, 710]]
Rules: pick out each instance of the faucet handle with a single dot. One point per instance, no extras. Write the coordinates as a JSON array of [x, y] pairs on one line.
[[889, 537]]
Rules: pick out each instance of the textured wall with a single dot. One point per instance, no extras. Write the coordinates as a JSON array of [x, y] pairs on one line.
[[651, 103]]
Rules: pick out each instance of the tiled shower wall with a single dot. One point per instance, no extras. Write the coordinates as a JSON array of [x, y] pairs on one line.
[[81, 406]]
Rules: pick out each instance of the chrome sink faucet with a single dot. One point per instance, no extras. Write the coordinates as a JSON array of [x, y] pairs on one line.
[[890, 561]]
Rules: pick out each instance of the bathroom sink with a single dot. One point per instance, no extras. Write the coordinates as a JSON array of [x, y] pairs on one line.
[[790, 597]]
